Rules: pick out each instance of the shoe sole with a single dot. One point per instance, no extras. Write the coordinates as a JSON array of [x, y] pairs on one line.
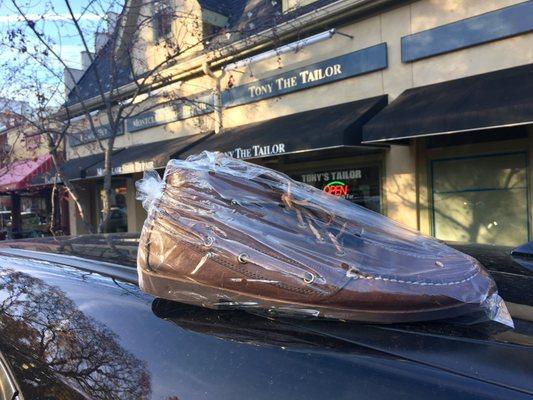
[[195, 293]]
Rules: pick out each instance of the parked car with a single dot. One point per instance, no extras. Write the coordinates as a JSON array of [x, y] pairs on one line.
[[74, 325]]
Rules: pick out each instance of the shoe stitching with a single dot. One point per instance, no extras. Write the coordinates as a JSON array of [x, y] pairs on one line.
[[246, 272], [420, 283]]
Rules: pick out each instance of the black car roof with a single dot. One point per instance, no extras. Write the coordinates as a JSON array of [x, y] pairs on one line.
[[192, 352]]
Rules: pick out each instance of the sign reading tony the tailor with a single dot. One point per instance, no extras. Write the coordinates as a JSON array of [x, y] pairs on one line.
[[257, 151], [348, 65], [352, 64]]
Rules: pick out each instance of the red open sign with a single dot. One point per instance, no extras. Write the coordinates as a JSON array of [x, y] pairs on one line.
[[336, 188]]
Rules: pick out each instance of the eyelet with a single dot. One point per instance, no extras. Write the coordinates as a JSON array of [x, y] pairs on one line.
[[209, 241], [352, 273], [309, 278], [242, 258]]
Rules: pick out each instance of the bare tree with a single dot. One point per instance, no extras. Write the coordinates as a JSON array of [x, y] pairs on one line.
[[131, 70]]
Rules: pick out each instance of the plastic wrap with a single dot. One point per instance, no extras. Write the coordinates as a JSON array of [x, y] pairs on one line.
[[224, 233]]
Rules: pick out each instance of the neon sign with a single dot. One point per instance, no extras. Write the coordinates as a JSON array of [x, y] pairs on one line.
[[336, 188]]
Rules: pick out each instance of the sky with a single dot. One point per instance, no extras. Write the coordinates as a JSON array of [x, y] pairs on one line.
[[56, 24]]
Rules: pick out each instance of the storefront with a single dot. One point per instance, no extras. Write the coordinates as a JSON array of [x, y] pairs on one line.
[[420, 111], [26, 209], [118, 213], [473, 158], [127, 166]]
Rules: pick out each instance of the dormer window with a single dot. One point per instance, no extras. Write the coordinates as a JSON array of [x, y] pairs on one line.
[[163, 16]]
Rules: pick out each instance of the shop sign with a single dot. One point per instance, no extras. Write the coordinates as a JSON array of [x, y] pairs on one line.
[[352, 64], [147, 120], [359, 62], [88, 135], [358, 185], [257, 151], [199, 105], [336, 188], [128, 168], [319, 177]]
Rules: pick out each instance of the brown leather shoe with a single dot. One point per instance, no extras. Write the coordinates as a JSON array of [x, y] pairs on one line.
[[228, 233]]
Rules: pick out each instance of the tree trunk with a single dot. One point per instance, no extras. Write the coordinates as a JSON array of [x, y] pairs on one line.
[[72, 191], [107, 192]]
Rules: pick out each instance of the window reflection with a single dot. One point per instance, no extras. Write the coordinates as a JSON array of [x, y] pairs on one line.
[[57, 351], [481, 199]]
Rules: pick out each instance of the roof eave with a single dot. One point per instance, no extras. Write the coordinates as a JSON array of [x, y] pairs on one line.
[[330, 13]]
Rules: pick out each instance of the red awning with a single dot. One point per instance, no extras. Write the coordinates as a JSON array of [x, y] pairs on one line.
[[18, 174]]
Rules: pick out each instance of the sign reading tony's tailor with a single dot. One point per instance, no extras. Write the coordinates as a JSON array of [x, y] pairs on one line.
[[348, 65], [359, 185], [352, 64]]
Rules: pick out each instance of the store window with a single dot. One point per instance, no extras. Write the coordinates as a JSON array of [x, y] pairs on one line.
[[361, 185], [118, 216], [481, 199], [35, 214]]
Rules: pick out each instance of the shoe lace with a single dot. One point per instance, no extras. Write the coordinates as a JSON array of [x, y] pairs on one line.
[[304, 213]]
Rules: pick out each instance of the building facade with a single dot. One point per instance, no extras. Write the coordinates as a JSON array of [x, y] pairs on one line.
[[420, 110], [25, 197]]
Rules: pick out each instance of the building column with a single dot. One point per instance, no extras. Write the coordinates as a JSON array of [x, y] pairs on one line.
[[76, 224], [400, 186], [423, 188], [136, 212]]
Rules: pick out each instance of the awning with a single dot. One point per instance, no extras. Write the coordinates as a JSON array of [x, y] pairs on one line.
[[146, 156], [18, 174], [323, 128], [74, 168], [493, 100]]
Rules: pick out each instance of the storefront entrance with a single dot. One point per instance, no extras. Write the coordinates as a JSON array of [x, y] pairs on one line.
[[481, 199]]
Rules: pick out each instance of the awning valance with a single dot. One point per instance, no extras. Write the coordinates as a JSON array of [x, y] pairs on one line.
[[73, 169], [18, 174], [323, 128], [492, 100], [146, 156]]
